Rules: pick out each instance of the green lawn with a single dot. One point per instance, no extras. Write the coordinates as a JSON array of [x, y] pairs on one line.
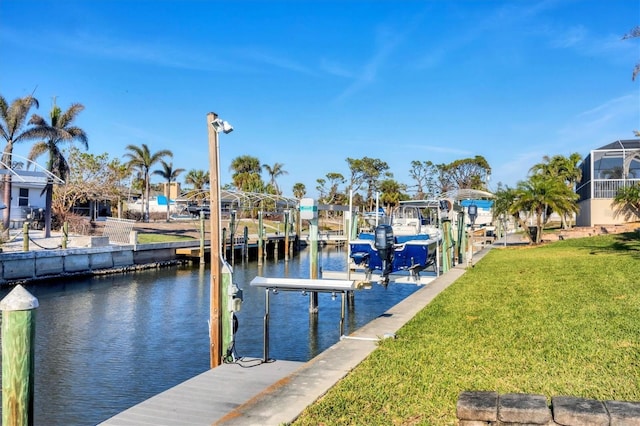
[[561, 319], [150, 238]]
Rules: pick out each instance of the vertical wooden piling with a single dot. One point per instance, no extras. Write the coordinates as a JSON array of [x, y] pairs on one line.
[[224, 243], [232, 232], [313, 265], [286, 235], [201, 237], [25, 234], [245, 244], [18, 339], [65, 234], [260, 230]]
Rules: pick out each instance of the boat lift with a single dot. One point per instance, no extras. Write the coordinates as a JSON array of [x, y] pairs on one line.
[[301, 285]]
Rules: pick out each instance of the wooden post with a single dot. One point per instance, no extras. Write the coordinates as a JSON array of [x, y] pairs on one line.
[[201, 237], [245, 244], [18, 350], [224, 244], [286, 235], [232, 234], [313, 259], [25, 234], [298, 231], [260, 247], [215, 320], [446, 245], [65, 234]]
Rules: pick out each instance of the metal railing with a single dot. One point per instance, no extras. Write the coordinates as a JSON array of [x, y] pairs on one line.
[[608, 188]]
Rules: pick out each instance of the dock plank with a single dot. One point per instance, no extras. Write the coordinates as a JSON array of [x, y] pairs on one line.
[[207, 397]]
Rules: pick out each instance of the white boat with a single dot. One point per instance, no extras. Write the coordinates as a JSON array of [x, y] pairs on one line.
[[407, 244]]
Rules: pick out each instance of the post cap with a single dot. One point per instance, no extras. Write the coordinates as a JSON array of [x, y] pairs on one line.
[[19, 299]]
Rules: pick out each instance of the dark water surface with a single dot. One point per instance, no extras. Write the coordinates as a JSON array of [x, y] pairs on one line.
[[105, 344]]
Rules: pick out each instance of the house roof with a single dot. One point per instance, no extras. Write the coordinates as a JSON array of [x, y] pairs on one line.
[[622, 144]]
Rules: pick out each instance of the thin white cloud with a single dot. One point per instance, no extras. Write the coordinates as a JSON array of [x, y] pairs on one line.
[[260, 55], [441, 149], [570, 37], [335, 68], [388, 40]]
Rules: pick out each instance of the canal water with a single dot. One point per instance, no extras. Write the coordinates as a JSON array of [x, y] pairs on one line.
[[105, 344]]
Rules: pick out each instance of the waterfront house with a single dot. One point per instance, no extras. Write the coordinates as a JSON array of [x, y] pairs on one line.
[[604, 171]]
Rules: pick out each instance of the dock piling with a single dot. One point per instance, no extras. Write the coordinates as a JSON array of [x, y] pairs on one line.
[[18, 355]]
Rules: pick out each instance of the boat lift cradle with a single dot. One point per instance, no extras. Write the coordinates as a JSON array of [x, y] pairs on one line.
[[301, 285]]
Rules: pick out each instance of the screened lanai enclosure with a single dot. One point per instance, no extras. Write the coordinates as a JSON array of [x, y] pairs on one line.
[[604, 171]]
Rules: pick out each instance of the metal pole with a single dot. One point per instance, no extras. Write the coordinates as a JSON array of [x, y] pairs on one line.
[[265, 357], [215, 320], [342, 311]]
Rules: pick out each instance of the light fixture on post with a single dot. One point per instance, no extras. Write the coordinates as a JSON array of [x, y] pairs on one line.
[[221, 126], [214, 126]]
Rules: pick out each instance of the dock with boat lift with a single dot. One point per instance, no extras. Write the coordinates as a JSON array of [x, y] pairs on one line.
[[275, 392]]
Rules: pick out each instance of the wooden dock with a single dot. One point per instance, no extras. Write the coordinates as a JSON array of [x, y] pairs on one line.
[[206, 398]]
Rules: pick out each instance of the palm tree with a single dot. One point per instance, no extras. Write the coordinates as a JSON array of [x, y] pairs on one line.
[[141, 159], [539, 196], [59, 131], [299, 190], [563, 168], [627, 202], [170, 175], [200, 180], [274, 172], [246, 173], [12, 120]]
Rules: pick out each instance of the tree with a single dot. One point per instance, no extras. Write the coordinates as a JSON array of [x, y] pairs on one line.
[[561, 168], [141, 160], [274, 172], [332, 194], [392, 193], [12, 120], [368, 172], [467, 173], [627, 202], [170, 175], [299, 190], [200, 181], [91, 177], [538, 197], [246, 174], [635, 32], [59, 131], [424, 174]]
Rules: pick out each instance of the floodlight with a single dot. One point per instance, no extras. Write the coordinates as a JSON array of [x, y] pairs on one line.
[[222, 126]]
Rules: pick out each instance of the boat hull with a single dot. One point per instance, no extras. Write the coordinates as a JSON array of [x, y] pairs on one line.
[[412, 255]]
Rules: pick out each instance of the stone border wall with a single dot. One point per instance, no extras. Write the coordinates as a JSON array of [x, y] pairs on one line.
[[489, 408]]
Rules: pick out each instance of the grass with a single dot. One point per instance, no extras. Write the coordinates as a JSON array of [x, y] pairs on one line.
[[561, 319], [150, 238]]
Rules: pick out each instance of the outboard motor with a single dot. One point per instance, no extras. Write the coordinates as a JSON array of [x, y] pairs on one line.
[[384, 244]]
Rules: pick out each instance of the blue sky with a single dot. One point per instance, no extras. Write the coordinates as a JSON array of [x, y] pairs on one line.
[[310, 83]]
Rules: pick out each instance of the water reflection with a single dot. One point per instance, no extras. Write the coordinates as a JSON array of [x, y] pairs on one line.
[[107, 343]]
